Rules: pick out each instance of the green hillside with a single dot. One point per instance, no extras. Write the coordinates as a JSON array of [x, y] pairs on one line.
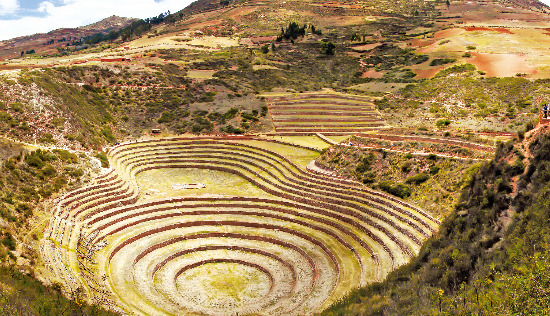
[[490, 255]]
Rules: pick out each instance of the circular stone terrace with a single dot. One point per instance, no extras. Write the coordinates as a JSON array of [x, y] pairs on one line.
[[264, 235]]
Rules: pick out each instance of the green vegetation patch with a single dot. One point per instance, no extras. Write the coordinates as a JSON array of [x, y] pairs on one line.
[[490, 255], [467, 99], [22, 294], [433, 184]]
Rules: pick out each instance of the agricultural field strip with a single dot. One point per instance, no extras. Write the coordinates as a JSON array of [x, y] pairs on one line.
[[261, 167], [418, 153], [286, 225], [407, 138], [302, 229], [379, 222], [306, 183], [322, 118], [240, 230], [325, 139], [63, 227], [325, 108], [327, 113], [320, 179], [325, 130], [341, 112], [328, 124], [217, 206], [337, 105], [337, 101], [321, 97]]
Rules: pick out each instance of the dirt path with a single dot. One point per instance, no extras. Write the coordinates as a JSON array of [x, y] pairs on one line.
[[415, 152]]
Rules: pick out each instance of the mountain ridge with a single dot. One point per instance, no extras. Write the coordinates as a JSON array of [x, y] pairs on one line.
[[41, 42]]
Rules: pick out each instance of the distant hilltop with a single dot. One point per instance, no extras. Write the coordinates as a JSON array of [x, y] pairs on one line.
[[45, 42], [108, 24]]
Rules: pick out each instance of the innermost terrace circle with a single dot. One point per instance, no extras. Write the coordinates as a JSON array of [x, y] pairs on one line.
[[224, 284], [158, 183]]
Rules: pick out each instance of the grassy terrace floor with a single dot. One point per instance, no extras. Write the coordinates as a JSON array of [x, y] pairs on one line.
[[325, 112], [263, 235]]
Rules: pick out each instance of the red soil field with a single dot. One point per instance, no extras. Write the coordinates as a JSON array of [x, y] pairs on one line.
[[448, 33], [426, 73], [417, 42], [501, 65], [491, 29]]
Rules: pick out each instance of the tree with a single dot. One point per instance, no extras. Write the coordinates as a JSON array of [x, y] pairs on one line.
[[22, 53], [329, 49], [264, 49], [292, 32], [315, 30]]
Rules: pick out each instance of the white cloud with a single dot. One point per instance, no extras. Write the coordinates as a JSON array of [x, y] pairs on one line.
[[46, 7], [8, 6], [75, 13]]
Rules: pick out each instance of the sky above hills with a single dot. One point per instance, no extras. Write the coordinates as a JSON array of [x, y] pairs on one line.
[[26, 17]]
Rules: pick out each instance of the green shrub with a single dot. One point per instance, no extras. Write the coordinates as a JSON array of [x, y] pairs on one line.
[[103, 158], [17, 107], [34, 161], [456, 69], [8, 241], [434, 170], [399, 190], [249, 116], [442, 123], [417, 179], [217, 117], [231, 113], [166, 117], [108, 134], [49, 171], [66, 155], [368, 177], [431, 157], [442, 61], [264, 110], [76, 173], [366, 163]]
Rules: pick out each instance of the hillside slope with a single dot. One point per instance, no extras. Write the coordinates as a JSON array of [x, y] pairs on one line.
[[489, 257]]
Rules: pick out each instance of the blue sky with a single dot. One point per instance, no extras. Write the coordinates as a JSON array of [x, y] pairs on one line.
[[25, 17]]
